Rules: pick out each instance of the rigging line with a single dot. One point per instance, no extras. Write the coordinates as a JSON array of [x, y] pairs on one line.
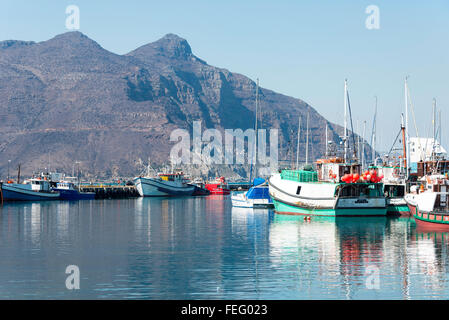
[[400, 131], [414, 118], [352, 127]]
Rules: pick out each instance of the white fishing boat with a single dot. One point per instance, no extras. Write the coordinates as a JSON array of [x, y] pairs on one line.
[[336, 188], [163, 185]]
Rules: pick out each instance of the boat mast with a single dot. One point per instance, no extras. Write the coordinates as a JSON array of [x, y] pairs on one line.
[[297, 145], [363, 144], [345, 134], [358, 140], [404, 143], [407, 135], [327, 140], [254, 156], [307, 143], [373, 133], [439, 128], [434, 125]]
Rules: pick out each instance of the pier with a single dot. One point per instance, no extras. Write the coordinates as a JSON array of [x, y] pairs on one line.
[[111, 191], [239, 186]]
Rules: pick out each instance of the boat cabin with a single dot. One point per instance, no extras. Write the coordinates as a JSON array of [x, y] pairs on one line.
[[38, 184], [177, 176], [65, 185], [333, 169]]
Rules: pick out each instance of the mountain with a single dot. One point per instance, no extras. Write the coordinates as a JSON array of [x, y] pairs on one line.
[[68, 99]]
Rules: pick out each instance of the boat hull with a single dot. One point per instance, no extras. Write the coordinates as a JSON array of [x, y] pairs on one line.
[[291, 209], [398, 210], [315, 198], [149, 187], [432, 221], [75, 195], [240, 201], [213, 189], [12, 193], [200, 191]]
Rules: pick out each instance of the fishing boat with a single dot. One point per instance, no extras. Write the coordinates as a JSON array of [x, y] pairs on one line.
[[200, 188], [219, 186], [35, 189], [68, 191], [394, 189], [430, 204], [335, 189], [163, 185], [394, 170], [257, 196]]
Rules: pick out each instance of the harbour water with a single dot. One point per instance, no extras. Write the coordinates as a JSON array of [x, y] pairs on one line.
[[202, 248]]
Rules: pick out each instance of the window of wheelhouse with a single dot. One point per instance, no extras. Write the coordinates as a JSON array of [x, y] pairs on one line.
[[394, 191]]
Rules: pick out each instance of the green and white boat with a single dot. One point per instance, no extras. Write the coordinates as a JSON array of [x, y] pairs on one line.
[[335, 189], [394, 189], [323, 193]]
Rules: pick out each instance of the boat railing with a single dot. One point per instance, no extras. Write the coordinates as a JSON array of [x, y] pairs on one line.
[[299, 175]]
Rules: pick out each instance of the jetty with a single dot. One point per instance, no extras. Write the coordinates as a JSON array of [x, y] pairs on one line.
[[111, 191]]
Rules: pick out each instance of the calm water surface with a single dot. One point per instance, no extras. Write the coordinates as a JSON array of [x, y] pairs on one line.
[[202, 248]]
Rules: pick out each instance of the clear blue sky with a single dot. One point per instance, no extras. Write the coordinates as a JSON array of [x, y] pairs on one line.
[[300, 48]]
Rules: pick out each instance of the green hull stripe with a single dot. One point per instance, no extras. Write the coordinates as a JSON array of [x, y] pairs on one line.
[[400, 208], [434, 220]]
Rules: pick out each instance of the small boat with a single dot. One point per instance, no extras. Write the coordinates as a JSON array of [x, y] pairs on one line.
[[256, 197], [35, 189], [200, 189], [68, 191], [219, 186], [430, 205], [164, 185]]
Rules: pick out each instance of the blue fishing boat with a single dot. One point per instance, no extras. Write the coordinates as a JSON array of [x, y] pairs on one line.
[[257, 196], [35, 189], [68, 191]]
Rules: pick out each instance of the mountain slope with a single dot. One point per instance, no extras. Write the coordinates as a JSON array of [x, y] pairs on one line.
[[68, 99]]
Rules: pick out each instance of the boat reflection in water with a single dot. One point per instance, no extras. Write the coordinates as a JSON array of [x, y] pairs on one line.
[[333, 257], [203, 248]]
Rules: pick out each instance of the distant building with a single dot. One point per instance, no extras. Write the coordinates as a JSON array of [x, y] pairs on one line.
[[422, 149]]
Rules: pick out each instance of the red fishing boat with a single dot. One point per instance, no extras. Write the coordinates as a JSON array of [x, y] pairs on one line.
[[219, 186], [430, 207]]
